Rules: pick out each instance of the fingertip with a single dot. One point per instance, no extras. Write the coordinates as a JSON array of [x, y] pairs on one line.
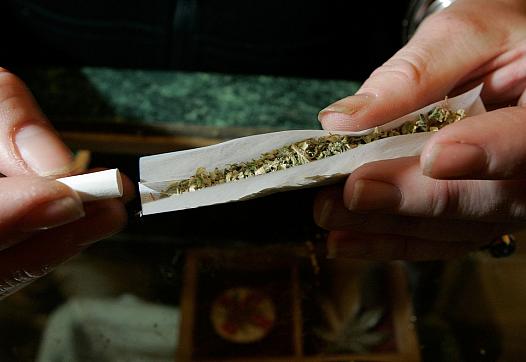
[[325, 203], [372, 195], [52, 214], [334, 121], [111, 214], [344, 115], [41, 149], [102, 219], [45, 250], [330, 212], [454, 161], [128, 189], [29, 145]]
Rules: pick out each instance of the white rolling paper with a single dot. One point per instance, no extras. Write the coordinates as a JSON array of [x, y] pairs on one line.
[[159, 171]]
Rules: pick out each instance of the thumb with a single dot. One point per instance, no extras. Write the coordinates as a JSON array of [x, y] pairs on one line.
[[422, 72], [28, 143]]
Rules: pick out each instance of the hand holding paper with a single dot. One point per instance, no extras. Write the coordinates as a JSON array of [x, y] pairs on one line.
[[160, 172], [42, 221], [468, 184]]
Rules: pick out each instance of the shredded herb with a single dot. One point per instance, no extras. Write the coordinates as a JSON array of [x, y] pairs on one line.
[[309, 150]]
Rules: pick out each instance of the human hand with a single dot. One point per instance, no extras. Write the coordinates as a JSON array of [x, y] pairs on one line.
[[467, 187], [42, 221]]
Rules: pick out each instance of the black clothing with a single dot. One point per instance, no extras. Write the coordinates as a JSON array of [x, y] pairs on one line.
[[345, 39]]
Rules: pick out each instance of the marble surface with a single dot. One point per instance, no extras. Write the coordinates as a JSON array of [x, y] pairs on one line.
[[104, 96]]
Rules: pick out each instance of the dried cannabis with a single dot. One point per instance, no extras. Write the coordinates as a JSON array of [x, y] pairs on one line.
[[309, 150]]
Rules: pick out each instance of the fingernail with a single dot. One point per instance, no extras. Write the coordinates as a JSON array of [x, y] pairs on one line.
[[345, 109], [368, 195], [42, 150], [454, 160], [52, 214], [335, 216]]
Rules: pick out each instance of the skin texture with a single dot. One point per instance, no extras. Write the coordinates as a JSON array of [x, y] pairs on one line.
[[468, 186], [42, 222]]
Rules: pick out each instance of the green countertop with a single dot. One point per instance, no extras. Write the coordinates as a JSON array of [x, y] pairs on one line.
[[124, 99]]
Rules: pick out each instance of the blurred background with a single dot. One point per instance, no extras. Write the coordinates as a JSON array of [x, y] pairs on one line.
[[238, 282]]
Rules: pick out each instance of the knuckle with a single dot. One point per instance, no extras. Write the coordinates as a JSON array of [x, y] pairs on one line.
[[449, 22], [443, 198], [409, 66], [492, 200]]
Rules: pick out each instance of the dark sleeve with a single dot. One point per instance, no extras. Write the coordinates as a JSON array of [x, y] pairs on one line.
[[295, 37], [96, 32], [317, 38]]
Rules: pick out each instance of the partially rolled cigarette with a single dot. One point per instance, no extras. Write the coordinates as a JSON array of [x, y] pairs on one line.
[[97, 185]]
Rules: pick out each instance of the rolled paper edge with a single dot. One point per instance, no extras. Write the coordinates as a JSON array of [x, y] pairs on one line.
[[93, 186]]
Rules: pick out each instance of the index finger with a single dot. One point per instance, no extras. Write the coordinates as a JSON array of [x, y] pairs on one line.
[[28, 143]]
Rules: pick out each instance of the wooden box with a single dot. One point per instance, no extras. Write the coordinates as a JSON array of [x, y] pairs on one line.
[[293, 278]]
